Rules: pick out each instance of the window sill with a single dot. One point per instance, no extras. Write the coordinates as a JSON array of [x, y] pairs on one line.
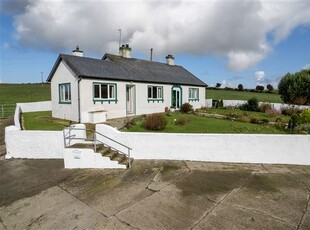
[[193, 100], [64, 102], [155, 100], [105, 100]]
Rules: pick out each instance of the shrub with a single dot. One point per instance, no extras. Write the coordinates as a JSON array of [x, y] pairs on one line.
[[302, 129], [183, 120], [272, 112], [264, 107], [128, 123], [291, 110], [157, 121], [186, 108], [295, 88], [255, 121], [251, 105]]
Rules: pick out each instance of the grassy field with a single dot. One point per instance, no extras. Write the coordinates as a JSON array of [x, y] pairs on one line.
[[200, 124], [14, 93], [242, 95]]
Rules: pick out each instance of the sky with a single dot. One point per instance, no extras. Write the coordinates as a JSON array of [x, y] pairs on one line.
[[231, 42]]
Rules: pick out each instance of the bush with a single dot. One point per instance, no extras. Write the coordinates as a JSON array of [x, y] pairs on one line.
[[251, 105], [156, 122], [300, 119], [272, 112], [264, 107], [291, 110], [183, 120], [186, 108], [295, 88]]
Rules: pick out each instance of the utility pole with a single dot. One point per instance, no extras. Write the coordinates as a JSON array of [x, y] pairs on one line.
[[120, 37], [42, 78]]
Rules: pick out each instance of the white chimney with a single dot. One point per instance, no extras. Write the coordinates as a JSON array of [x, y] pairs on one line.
[[170, 59], [125, 51], [77, 52]]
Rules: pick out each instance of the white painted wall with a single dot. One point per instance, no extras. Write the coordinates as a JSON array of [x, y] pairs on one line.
[[35, 106], [238, 148], [33, 144], [64, 111], [87, 158], [143, 106]]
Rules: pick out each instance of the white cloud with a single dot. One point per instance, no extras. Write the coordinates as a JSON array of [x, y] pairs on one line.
[[259, 75], [306, 66], [235, 29]]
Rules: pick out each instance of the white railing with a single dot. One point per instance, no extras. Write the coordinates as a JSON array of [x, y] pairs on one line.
[[69, 136]]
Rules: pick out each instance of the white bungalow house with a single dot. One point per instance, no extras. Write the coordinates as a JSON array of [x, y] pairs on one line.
[[93, 90]]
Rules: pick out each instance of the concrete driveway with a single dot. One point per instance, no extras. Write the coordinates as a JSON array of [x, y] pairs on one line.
[[41, 194]]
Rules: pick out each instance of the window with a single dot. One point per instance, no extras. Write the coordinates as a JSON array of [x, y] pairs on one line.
[[193, 94], [155, 93], [104, 92], [65, 93]]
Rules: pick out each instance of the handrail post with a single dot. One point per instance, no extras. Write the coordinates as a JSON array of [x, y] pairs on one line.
[[129, 163], [69, 136], [95, 142], [64, 134]]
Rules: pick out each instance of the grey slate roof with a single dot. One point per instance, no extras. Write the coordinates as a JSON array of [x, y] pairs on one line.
[[113, 67]]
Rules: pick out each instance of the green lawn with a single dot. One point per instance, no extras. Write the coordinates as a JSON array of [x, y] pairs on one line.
[[200, 124], [242, 95], [14, 93], [43, 121]]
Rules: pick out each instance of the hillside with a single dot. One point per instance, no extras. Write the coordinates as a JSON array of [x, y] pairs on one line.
[[14, 93], [242, 95]]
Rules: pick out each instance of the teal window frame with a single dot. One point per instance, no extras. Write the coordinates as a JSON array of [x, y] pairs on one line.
[[159, 90], [193, 94], [64, 93], [109, 94]]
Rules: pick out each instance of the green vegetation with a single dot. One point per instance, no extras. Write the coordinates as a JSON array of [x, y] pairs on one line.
[[43, 121], [295, 88], [200, 124], [15, 93], [242, 95]]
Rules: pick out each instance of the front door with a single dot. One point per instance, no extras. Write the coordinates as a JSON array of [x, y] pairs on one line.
[[176, 97], [130, 100]]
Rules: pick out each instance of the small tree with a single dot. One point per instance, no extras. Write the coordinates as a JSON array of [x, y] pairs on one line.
[[240, 87], [260, 88], [270, 88], [295, 88], [218, 85]]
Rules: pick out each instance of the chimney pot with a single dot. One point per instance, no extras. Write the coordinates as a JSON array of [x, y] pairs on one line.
[[170, 59], [125, 51], [77, 52]]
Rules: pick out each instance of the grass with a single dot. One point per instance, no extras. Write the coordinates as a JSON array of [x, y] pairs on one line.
[[43, 121], [242, 95], [200, 124], [15, 93]]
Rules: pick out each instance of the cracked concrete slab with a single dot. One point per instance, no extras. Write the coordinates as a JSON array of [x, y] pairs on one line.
[[231, 217], [37, 194], [53, 208]]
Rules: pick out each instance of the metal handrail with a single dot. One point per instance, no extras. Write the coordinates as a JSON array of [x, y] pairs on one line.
[[70, 137]]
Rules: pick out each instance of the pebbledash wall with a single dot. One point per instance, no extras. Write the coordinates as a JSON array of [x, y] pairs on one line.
[[238, 148]]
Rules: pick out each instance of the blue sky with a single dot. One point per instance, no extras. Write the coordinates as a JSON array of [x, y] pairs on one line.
[[227, 42]]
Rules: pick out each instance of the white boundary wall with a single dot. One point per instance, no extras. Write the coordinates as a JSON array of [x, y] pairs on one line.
[[238, 148], [277, 106], [33, 144]]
